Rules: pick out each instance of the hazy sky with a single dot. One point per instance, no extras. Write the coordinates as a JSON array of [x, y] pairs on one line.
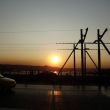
[[29, 29]]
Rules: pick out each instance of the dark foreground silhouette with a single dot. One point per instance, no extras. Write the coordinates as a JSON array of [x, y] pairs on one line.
[[42, 75]]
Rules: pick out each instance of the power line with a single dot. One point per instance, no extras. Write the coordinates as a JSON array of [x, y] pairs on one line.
[[24, 44], [37, 31]]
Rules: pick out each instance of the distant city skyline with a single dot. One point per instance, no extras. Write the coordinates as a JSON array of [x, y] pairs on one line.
[[30, 29]]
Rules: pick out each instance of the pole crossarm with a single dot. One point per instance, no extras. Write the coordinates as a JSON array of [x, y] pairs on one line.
[[80, 49], [80, 42]]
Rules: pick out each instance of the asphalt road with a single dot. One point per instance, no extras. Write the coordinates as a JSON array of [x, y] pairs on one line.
[[49, 97]]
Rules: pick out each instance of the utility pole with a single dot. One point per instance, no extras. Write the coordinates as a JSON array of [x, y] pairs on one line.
[[99, 52], [85, 58], [83, 36], [82, 53], [99, 41], [84, 50], [74, 60]]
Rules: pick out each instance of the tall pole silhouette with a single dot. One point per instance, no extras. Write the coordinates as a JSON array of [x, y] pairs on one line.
[[99, 52], [83, 37], [82, 53], [99, 41], [85, 58], [74, 56]]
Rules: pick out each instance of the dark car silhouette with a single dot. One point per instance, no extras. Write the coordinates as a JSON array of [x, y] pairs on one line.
[[6, 83]]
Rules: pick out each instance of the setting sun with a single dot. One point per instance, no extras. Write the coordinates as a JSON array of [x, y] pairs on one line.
[[55, 59]]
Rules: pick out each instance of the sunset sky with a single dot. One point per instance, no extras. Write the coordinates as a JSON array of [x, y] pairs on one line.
[[30, 29]]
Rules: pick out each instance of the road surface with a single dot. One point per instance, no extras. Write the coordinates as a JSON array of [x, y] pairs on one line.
[[49, 97]]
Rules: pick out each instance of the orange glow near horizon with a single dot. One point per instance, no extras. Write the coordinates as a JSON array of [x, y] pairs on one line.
[[53, 59]]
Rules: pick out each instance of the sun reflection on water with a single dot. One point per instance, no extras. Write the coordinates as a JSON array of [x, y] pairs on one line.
[[55, 92]]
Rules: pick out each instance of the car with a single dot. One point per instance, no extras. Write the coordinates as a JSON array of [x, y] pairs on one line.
[[6, 83]]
